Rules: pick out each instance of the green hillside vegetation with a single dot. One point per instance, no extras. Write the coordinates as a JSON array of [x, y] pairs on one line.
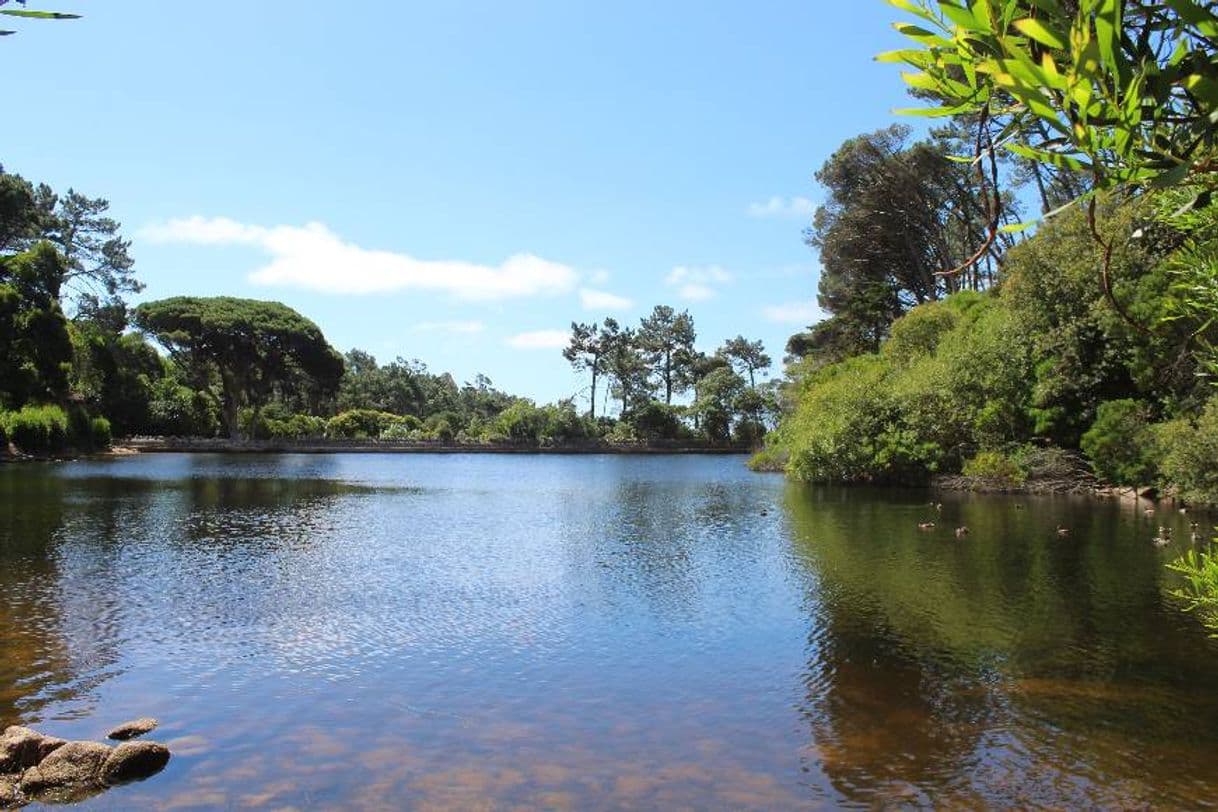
[[994, 383]]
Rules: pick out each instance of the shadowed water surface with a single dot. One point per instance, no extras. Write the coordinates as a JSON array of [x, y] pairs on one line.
[[596, 632]]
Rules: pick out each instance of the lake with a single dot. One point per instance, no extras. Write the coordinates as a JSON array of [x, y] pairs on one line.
[[365, 632]]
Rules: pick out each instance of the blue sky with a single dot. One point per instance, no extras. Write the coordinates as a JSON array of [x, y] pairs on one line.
[[458, 181]]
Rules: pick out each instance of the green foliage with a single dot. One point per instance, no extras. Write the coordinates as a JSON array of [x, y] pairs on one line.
[[622, 432], [1120, 443], [1082, 353], [897, 215], [667, 339], [523, 422], [952, 379], [35, 345], [1200, 590], [715, 396], [995, 467], [564, 424], [100, 433], [1189, 462], [38, 429], [31, 14], [255, 348], [365, 424], [657, 421], [919, 332], [746, 357], [846, 428], [771, 458], [441, 427], [408, 388], [277, 423], [175, 410], [1126, 92], [1191, 271]]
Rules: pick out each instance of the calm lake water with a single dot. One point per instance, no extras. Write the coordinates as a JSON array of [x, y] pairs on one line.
[[472, 632]]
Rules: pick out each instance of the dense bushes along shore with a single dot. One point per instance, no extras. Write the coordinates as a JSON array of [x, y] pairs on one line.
[[989, 383], [42, 430]]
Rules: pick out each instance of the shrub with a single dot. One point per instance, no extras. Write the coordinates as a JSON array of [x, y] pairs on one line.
[[179, 411], [1120, 443], [441, 429], [657, 421], [401, 431], [621, 432], [847, 426], [770, 459], [564, 424], [289, 426], [522, 422], [360, 424], [1189, 462], [38, 429], [997, 468], [99, 433], [80, 434]]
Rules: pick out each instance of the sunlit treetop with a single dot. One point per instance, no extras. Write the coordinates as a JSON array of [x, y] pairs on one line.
[[1126, 92]]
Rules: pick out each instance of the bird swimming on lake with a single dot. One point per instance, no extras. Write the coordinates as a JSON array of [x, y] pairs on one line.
[[1063, 531], [926, 525], [961, 532]]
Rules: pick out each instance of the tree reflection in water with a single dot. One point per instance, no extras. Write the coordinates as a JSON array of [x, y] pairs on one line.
[[1011, 667]]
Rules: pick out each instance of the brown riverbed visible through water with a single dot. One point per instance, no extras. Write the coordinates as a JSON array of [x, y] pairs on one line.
[[597, 632]]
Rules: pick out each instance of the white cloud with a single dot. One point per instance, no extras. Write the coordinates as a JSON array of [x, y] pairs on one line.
[[315, 258], [460, 327], [540, 340], [697, 284], [801, 313], [603, 300], [794, 208]]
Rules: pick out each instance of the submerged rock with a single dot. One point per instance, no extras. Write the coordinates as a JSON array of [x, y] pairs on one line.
[[21, 747], [73, 770], [134, 761], [132, 730]]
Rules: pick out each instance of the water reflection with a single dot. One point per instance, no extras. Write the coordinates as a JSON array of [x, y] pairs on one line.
[[1013, 667], [566, 632]]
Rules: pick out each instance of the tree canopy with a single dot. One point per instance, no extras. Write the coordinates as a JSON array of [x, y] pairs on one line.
[[254, 347], [1124, 91]]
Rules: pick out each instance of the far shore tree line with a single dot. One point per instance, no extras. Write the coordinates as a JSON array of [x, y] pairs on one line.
[[79, 366]]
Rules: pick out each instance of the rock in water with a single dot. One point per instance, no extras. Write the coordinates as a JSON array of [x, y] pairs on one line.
[[134, 761], [132, 730], [10, 796], [21, 747], [74, 769]]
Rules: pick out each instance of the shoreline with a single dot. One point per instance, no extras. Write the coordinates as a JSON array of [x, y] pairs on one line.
[[220, 446]]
